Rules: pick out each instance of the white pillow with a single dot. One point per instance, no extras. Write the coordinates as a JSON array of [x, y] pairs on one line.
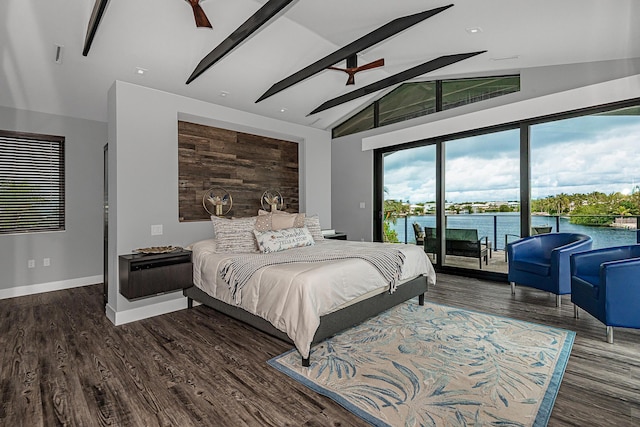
[[234, 235], [280, 240], [313, 224]]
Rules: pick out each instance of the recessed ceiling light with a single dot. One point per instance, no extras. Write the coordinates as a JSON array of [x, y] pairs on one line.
[[141, 71], [224, 93], [282, 110], [474, 30]]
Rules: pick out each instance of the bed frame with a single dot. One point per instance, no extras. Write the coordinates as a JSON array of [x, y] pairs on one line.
[[330, 324]]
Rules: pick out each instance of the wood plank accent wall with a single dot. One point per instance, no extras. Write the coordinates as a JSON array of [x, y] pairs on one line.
[[245, 165]]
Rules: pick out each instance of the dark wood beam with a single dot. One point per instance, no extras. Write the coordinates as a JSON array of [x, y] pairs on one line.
[[364, 42], [96, 15], [250, 26], [416, 71]]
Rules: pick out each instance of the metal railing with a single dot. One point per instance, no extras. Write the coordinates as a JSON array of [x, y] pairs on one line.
[[495, 225]]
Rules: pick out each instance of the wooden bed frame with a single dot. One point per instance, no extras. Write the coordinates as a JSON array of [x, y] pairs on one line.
[[330, 324]]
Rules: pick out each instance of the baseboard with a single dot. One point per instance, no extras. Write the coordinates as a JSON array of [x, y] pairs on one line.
[[39, 288], [135, 314]]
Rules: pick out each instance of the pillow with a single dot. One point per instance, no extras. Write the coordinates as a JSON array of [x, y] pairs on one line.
[[278, 220], [280, 240], [313, 224], [234, 235]]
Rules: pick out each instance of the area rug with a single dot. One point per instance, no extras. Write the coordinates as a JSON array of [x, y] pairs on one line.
[[435, 365]]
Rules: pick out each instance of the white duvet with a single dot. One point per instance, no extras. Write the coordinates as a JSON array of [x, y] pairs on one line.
[[292, 297]]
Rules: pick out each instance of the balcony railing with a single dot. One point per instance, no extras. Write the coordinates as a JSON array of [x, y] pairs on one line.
[[605, 230]]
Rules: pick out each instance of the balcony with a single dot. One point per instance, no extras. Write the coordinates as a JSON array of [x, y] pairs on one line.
[[501, 229]]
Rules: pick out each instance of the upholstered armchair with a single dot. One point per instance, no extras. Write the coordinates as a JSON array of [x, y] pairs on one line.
[[542, 261], [606, 284]]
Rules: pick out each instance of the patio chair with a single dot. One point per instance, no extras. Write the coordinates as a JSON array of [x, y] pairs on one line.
[[417, 230], [542, 261], [606, 284]]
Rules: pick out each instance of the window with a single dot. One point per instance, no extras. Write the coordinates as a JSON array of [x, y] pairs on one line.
[[584, 175], [361, 121], [31, 183], [410, 100], [456, 93]]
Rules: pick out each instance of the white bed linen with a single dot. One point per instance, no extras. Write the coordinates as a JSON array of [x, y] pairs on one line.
[[292, 297]]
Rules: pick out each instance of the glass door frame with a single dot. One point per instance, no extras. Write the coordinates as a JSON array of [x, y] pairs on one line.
[[525, 176]]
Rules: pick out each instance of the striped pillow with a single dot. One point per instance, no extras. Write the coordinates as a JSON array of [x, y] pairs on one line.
[[313, 224], [234, 235]]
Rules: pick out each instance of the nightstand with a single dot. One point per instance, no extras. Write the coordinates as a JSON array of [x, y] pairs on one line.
[[338, 235], [146, 275]]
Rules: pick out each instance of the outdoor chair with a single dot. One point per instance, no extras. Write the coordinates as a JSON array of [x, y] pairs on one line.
[[417, 230], [606, 284], [542, 261]]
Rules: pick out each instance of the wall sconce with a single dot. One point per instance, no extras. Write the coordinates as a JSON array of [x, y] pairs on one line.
[[217, 201]]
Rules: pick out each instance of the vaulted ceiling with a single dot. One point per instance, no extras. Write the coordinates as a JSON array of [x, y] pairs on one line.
[[160, 37]]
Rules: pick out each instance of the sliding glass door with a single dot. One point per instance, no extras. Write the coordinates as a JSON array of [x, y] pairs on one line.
[[576, 172], [482, 193], [585, 176], [409, 187]]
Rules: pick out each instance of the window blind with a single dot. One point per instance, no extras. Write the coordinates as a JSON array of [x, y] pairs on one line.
[[31, 183]]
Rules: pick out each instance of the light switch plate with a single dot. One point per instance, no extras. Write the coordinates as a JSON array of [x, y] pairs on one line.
[[156, 230], [362, 205]]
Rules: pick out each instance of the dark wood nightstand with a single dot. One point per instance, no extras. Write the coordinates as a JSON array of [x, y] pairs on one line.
[[147, 275], [338, 235]]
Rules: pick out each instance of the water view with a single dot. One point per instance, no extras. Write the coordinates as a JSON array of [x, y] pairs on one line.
[[509, 224]]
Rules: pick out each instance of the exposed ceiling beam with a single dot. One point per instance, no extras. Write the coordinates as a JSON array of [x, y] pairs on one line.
[[364, 42], [96, 15], [250, 26], [416, 71]]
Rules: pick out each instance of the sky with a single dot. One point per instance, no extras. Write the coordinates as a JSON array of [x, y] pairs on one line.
[[577, 155]]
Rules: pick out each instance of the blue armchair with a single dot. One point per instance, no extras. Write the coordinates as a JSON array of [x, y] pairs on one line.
[[606, 284], [542, 261]]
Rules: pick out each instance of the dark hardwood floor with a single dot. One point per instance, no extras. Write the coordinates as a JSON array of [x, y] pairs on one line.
[[63, 363]]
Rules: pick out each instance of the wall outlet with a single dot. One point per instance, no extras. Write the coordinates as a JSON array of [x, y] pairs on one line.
[[31, 263], [362, 205], [46, 262], [156, 230]]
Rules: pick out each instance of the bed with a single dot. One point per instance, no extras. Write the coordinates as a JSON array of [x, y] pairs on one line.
[[304, 303]]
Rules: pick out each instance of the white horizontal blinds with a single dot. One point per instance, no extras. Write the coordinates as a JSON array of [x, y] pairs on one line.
[[31, 183]]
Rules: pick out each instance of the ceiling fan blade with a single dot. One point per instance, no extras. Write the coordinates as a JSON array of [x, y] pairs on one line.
[[199, 15], [351, 71], [370, 65]]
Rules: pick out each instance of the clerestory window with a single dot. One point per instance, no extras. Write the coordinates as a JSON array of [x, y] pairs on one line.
[[416, 99]]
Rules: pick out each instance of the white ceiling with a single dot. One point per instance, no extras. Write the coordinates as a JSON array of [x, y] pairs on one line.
[[160, 36]]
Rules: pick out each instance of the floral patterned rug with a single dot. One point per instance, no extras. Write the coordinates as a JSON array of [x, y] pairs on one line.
[[435, 365]]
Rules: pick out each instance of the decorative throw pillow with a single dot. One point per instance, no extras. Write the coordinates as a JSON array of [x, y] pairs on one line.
[[280, 240], [234, 235], [278, 220], [313, 224]]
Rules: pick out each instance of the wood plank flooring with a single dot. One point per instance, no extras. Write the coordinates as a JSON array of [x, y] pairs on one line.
[[63, 363]]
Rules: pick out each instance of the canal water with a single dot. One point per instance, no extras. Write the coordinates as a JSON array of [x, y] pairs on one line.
[[509, 224]]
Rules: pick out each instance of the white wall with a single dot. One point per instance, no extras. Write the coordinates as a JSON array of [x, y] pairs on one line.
[[542, 89], [76, 253], [143, 157]]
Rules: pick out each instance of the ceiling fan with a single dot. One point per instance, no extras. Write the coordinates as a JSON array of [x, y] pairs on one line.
[[198, 14], [353, 68]]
